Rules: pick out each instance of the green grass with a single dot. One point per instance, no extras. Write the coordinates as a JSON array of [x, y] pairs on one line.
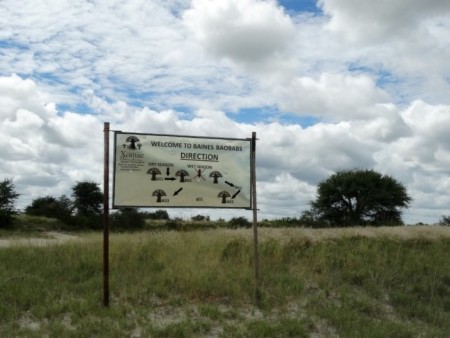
[[25, 226], [200, 283]]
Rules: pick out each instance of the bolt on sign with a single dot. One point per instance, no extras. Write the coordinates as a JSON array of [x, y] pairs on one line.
[[154, 170]]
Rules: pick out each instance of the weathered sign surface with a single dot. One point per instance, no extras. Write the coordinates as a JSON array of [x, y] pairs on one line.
[[152, 170]]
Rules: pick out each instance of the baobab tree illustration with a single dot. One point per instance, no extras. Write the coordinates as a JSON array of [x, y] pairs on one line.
[[181, 173], [215, 175], [153, 172], [132, 140], [158, 194], [224, 194]]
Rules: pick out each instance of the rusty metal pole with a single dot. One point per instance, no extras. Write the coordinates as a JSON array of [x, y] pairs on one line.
[[255, 219], [106, 217]]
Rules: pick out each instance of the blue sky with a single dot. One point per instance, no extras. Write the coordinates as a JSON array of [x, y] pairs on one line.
[[348, 85], [300, 6]]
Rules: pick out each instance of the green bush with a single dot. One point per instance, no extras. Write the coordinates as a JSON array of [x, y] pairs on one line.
[[283, 222], [51, 207], [239, 222], [94, 222], [445, 220], [173, 224], [236, 251], [127, 218], [6, 218], [158, 214], [200, 218]]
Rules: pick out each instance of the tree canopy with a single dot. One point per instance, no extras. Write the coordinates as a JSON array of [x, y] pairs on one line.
[[127, 218], [8, 198], [49, 206], [87, 198], [358, 197]]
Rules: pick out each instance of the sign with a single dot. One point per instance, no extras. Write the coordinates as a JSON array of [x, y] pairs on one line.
[[152, 170]]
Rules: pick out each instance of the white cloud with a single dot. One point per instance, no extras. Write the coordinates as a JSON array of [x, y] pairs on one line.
[[405, 54], [333, 96], [242, 30], [382, 19], [374, 74], [276, 197], [429, 122], [65, 148], [16, 93]]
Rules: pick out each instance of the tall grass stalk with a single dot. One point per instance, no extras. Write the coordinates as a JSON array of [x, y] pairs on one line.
[[200, 283]]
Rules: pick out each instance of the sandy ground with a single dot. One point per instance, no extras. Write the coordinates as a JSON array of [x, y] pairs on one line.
[[52, 237]]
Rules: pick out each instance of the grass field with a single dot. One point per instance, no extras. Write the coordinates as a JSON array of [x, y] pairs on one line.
[[358, 282]]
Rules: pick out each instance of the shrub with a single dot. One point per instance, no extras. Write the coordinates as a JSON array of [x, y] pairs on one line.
[[236, 251], [158, 214], [85, 222], [200, 218], [239, 222], [445, 220], [127, 218], [173, 224], [51, 207]]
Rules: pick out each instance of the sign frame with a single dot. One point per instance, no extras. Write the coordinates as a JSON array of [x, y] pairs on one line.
[[221, 166], [106, 216]]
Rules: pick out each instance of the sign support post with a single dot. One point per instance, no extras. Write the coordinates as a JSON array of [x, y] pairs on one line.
[[106, 217], [255, 219], [164, 171]]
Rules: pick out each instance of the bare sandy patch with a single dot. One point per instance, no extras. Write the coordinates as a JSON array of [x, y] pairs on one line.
[[51, 238]]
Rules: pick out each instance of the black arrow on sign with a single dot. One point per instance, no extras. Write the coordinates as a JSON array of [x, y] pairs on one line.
[[176, 192], [236, 193], [168, 171], [229, 183], [169, 178]]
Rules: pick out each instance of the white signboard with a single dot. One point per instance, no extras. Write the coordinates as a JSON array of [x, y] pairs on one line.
[[162, 171]]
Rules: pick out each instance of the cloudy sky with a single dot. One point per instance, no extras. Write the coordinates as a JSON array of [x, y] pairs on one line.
[[327, 85]]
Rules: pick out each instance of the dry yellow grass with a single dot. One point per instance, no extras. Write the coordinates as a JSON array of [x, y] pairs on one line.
[[430, 232]]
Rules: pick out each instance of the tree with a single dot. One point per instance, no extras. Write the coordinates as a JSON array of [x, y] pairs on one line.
[[239, 222], [359, 197], [52, 207], [158, 214], [8, 198], [42, 206], [87, 198], [127, 218], [445, 220], [200, 218]]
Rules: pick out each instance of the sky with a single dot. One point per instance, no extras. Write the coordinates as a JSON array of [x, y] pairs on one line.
[[327, 85]]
